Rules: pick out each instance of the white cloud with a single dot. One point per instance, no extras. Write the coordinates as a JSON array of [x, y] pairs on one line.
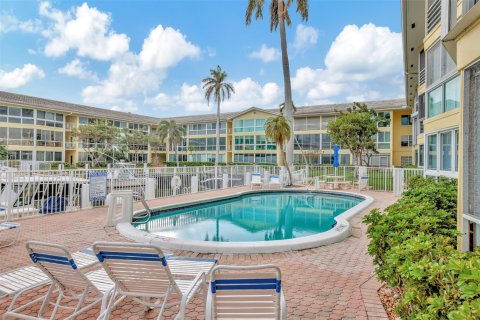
[[248, 93], [265, 54], [366, 53], [165, 47], [10, 23], [84, 29], [139, 74], [77, 68], [363, 63], [305, 37], [20, 76]]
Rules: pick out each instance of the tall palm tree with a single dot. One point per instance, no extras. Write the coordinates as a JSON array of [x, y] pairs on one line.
[[217, 86], [173, 133], [278, 129], [278, 17]]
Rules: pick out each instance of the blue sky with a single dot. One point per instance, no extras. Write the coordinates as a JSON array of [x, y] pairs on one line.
[[149, 57]]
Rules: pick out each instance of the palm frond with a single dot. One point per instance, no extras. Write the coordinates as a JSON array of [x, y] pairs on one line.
[[273, 15], [302, 9]]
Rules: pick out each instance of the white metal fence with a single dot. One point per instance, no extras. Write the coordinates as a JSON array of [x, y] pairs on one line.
[[30, 193]]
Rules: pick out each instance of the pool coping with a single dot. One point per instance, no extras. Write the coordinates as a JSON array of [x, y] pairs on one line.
[[341, 230]]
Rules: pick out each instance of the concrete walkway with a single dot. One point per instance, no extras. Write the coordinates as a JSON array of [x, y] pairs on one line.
[[330, 282]]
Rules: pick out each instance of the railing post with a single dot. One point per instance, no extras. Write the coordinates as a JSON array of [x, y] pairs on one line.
[[9, 190]]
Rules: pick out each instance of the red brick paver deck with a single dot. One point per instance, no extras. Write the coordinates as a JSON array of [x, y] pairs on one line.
[[329, 282]]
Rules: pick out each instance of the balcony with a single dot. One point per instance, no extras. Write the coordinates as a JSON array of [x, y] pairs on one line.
[[70, 125], [70, 145]]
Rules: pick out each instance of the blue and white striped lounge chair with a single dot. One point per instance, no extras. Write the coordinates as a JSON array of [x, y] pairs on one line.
[[9, 227], [256, 180], [68, 281], [237, 293], [141, 271]]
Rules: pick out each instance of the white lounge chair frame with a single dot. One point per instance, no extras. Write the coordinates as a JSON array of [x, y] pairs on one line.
[[246, 295], [256, 180], [140, 271], [57, 263]]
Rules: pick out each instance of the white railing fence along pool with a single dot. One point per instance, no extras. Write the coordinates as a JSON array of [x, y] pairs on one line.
[[32, 193]]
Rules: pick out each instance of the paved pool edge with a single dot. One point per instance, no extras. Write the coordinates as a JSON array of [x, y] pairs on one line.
[[341, 231]]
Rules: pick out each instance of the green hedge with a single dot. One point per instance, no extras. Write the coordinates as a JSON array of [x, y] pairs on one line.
[[413, 245]]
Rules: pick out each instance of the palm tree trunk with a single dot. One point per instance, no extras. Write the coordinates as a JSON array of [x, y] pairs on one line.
[[217, 147], [288, 109], [283, 163], [217, 132]]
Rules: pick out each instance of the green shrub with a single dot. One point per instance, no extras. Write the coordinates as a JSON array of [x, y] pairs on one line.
[[413, 246]]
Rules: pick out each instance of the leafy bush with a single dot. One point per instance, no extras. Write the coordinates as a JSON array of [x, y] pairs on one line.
[[413, 246]]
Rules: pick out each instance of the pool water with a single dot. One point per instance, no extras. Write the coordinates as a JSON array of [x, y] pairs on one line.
[[253, 217]]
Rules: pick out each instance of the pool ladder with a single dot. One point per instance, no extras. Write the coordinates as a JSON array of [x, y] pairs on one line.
[[145, 217]]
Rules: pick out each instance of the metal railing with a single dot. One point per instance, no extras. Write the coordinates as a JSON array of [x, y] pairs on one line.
[[26, 193]]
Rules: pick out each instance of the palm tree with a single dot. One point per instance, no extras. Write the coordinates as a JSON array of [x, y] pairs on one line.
[[173, 133], [215, 85], [278, 129], [278, 17]]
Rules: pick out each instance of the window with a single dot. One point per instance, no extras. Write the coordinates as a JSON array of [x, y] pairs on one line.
[[442, 151], [435, 102], [446, 151], [405, 161], [16, 115], [49, 138], [406, 120], [18, 136], [385, 123], [307, 142], [202, 144], [406, 141], [304, 124], [421, 155], [439, 64], [325, 121], [452, 94], [249, 125], [434, 62], [421, 106], [383, 140], [380, 160], [326, 142], [50, 119], [444, 98], [49, 156], [432, 152]]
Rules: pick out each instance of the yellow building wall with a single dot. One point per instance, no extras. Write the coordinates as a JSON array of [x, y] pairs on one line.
[[468, 46], [442, 121]]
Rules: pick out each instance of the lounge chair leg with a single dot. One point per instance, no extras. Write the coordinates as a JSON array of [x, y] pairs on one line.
[[46, 301]]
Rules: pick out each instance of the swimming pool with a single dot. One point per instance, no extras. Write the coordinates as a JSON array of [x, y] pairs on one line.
[[253, 217]]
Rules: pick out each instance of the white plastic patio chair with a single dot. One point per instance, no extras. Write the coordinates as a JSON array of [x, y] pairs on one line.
[[256, 180], [235, 293], [275, 182], [68, 281], [140, 271]]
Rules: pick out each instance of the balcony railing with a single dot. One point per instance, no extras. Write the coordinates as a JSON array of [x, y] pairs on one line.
[[434, 14], [70, 125], [70, 145]]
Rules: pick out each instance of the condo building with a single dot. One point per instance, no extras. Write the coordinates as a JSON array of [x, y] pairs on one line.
[[441, 41], [40, 130]]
